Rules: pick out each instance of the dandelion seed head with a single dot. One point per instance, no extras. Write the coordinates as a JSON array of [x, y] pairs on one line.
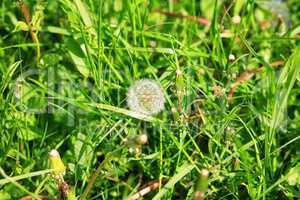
[[145, 96]]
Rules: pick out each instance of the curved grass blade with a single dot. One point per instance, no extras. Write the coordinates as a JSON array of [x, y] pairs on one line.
[[182, 171]]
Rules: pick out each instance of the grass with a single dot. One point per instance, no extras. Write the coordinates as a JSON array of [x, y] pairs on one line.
[[64, 79]]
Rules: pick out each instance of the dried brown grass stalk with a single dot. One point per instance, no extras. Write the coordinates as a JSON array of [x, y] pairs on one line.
[[25, 10], [146, 189]]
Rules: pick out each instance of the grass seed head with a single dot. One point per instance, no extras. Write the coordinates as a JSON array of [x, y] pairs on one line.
[[145, 96]]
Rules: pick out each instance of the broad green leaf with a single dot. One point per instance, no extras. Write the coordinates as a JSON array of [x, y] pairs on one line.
[[285, 83], [78, 56], [27, 134]]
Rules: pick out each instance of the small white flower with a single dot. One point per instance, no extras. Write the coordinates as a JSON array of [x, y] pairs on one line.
[[204, 173], [178, 72], [142, 139], [231, 57], [153, 43], [145, 96], [171, 51], [236, 19], [54, 153]]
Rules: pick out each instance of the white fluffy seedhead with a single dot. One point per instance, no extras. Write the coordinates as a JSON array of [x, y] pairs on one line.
[[145, 96]]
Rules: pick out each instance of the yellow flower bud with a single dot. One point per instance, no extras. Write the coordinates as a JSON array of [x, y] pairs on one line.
[[56, 163]]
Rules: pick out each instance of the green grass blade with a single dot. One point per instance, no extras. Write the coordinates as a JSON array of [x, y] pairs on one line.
[[183, 170], [285, 83]]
